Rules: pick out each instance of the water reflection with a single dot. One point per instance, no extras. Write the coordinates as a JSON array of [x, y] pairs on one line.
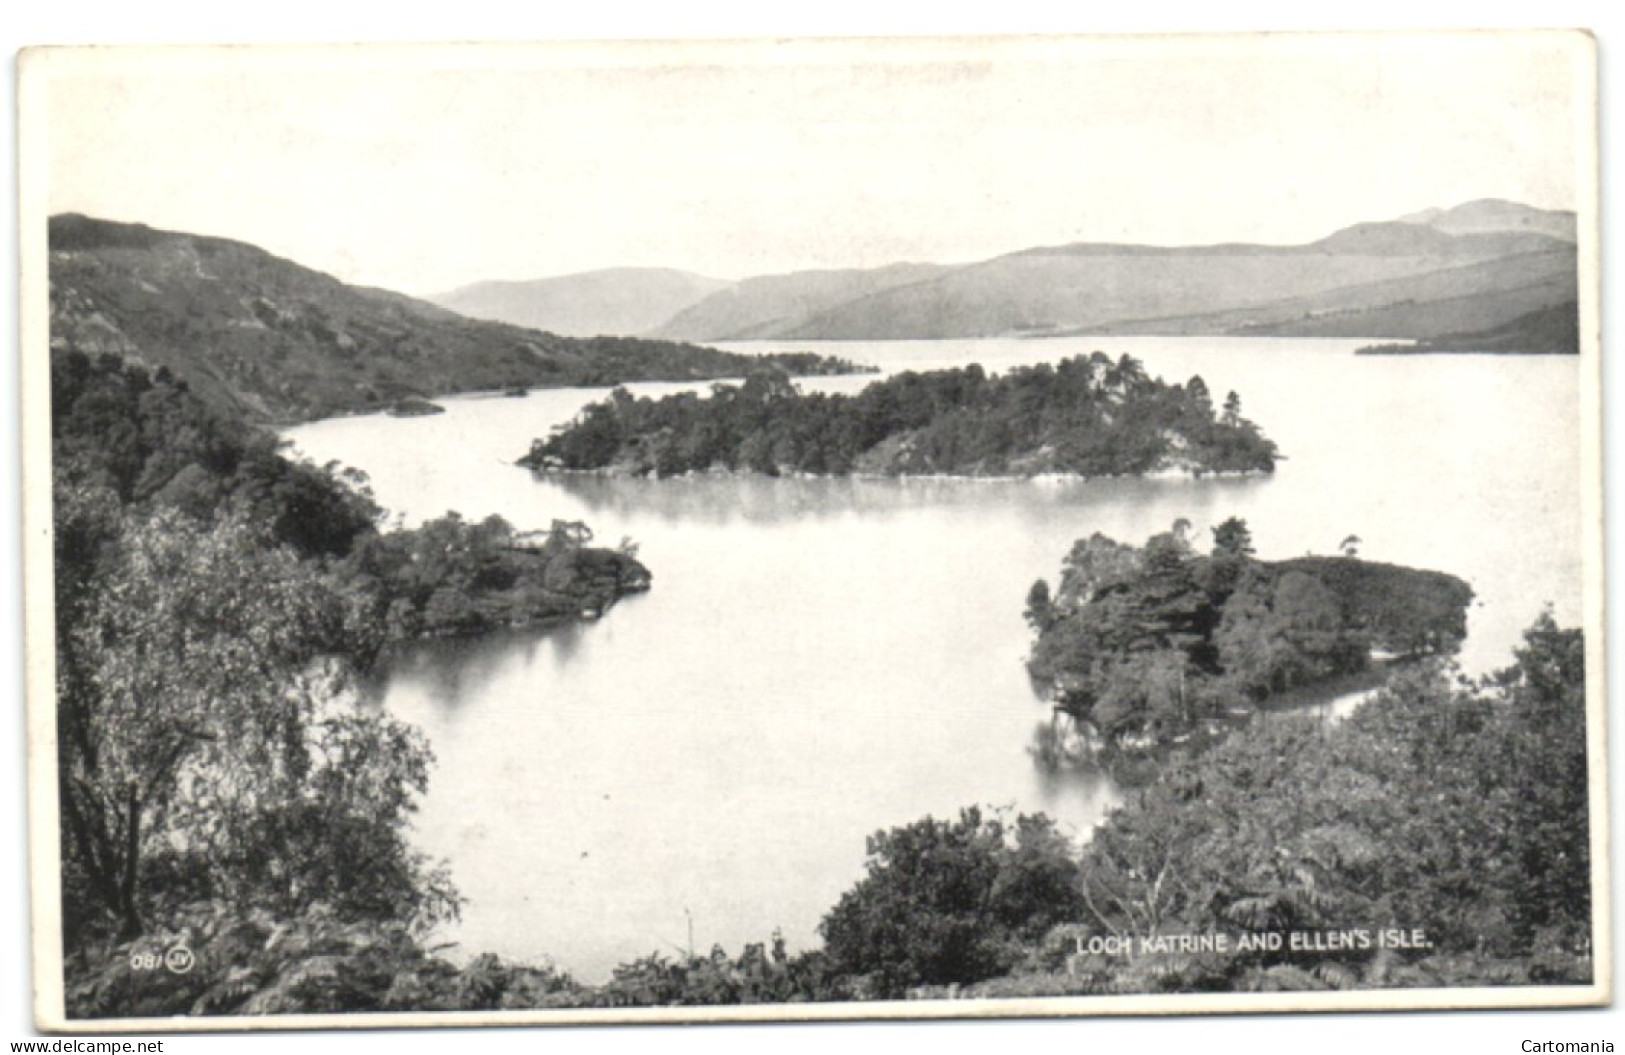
[[450, 671], [721, 499], [1063, 784]]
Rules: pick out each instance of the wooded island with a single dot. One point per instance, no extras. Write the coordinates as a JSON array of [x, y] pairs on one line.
[[1141, 644], [1084, 416]]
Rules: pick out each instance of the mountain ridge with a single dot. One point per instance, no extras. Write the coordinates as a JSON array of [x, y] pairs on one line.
[[758, 306], [268, 339], [619, 300], [1083, 286]]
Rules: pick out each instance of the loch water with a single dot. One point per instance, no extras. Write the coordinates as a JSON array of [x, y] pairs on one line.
[[823, 658]]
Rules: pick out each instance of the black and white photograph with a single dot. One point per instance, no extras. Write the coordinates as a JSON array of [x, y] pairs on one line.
[[792, 529]]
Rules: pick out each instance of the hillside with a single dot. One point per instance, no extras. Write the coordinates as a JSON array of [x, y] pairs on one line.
[[627, 300], [1106, 287], [269, 340], [1416, 307], [1548, 331], [1477, 265]]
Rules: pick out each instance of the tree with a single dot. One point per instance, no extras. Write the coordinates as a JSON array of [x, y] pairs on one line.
[[568, 534], [1233, 539], [1040, 610], [1257, 656], [1092, 565], [1201, 398], [1548, 867], [948, 902], [1168, 550], [203, 734], [1145, 691]]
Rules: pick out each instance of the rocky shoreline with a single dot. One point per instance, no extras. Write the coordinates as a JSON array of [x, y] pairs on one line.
[[635, 472]]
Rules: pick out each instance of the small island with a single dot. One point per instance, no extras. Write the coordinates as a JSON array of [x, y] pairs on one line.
[[1140, 646], [1084, 416], [811, 364], [413, 407]]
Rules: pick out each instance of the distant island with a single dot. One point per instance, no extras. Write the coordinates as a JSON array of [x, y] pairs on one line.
[[413, 407], [1085, 416], [266, 340], [811, 364], [1141, 645], [1548, 331]]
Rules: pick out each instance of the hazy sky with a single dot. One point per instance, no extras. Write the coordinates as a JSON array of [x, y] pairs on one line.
[[422, 170]]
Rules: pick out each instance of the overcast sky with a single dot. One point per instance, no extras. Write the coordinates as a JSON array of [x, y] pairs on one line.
[[420, 170]]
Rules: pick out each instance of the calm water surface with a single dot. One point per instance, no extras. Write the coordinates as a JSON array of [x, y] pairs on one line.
[[820, 659]]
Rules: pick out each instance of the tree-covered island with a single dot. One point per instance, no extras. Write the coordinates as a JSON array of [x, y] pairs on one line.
[[1085, 416], [1140, 645]]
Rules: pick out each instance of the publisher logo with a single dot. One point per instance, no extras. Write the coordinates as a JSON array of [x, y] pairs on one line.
[[179, 959]]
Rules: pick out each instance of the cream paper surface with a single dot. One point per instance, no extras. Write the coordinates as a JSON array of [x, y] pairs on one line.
[[416, 169]]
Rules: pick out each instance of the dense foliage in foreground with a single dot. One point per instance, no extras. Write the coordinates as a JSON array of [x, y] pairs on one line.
[[1463, 813], [1141, 644], [1087, 416], [1458, 810]]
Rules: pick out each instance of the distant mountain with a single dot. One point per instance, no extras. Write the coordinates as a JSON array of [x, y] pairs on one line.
[[626, 300], [275, 341], [769, 306], [270, 340], [1445, 270], [1497, 215], [1394, 238]]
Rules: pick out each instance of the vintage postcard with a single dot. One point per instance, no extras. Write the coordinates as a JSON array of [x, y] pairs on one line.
[[813, 529]]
